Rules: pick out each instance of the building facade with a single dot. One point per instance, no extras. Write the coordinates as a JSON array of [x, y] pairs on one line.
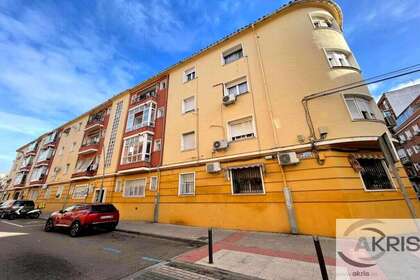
[[233, 134], [404, 123]]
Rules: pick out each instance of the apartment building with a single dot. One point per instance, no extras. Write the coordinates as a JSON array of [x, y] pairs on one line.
[[233, 137], [407, 130]]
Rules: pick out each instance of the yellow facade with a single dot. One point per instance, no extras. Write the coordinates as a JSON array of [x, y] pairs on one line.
[[284, 60]]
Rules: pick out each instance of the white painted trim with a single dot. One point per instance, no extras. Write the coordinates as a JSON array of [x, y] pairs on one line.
[[150, 183], [88, 151], [137, 134], [179, 184], [94, 193], [182, 141], [134, 196], [183, 104], [231, 50], [229, 136]]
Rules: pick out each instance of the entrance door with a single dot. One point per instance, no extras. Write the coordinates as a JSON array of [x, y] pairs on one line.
[[99, 196]]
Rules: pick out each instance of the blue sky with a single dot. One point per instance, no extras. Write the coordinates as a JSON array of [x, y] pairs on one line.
[[60, 58]]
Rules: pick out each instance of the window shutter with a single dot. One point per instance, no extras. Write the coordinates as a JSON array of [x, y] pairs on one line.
[[243, 127], [354, 111], [188, 141], [189, 104]]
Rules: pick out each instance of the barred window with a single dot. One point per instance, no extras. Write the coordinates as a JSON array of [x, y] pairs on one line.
[[247, 180], [153, 183], [375, 174], [187, 183], [134, 188]]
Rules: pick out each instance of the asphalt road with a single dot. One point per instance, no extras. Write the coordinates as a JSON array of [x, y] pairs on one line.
[[27, 252]]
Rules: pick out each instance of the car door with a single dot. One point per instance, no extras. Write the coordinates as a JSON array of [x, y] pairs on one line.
[[67, 216]]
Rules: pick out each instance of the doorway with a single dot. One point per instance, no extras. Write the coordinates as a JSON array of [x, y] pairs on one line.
[[99, 196]]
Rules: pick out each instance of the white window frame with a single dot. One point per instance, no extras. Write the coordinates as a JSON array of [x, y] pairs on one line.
[[262, 182], [230, 51], [235, 83], [37, 172], [118, 186], [59, 192], [151, 106], [389, 178], [229, 126], [47, 193], [94, 195], [156, 180], [157, 145], [327, 17], [147, 138], [180, 183], [351, 61], [355, 98], [160, 112], [408, 134], [134, 196], [190, 71], [86, 187], [183, 105], [182, 141]]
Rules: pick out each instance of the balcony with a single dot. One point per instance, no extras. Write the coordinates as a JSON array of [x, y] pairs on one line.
[[96, 120], [405, 160], [143, 96], [89, 148]]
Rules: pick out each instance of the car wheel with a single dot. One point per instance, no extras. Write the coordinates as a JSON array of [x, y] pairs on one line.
[[75, 229], [35, 216], [12, 216], [49, 225]]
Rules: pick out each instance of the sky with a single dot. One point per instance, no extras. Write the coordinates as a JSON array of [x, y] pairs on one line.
[[58, 59]]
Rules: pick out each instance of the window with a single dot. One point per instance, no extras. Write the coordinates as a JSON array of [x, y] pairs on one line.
[[186, 183], [47, 193], [92, 138], [402, 138], [247, 180], [375, 174], [360, 108], [33, 195], [118, 187], [80, 192], [20, 178], [50, 137], [324, 21], [189, 75], [38, 173], [85, 164], [143, 95], [153, 183], [188, 104], [160, 112], [115, 124], [410, 151], [67, 168], [141, 116], [73, 146], [232, 54], [134, 188], [241, 129], [157, 146], [338, 59], [401, 153], [416, 129], [45, 154], [59, 192], [60, 151], [188, 141], [237, 87], [137, 148], [32, 147], [408, 134], [416, 148]]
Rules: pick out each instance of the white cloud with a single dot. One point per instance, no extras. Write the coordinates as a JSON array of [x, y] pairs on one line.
[[23, 124]]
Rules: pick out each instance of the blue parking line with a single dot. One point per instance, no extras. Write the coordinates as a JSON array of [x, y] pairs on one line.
[[151, 259], [112, 250]]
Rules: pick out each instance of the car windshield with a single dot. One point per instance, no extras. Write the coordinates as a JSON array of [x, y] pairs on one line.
[[103, 208]]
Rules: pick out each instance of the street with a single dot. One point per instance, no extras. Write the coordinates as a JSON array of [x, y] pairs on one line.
[[27, 252]]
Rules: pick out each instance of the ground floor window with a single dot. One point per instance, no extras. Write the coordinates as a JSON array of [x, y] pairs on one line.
[[375, 174], [247, 180], [186, 183], [80, 192], [59, 192], [134, 188]]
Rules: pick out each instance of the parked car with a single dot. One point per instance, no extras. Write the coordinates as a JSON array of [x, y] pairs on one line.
[[84, 216], [13, 209]]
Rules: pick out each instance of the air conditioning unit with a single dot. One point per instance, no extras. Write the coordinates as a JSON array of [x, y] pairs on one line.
[[220, 145], [229, 99], [287, 158], [213, 167]]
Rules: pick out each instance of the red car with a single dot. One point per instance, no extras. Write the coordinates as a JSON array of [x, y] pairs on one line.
[[83, 216]]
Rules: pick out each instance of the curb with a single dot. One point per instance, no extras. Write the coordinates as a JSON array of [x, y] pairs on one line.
[[193, 242]]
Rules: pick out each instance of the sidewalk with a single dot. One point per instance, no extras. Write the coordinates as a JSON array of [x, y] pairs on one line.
[[256, 254]]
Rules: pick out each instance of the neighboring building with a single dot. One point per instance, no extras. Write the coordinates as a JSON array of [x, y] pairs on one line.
[[401, 110], [216, 139]]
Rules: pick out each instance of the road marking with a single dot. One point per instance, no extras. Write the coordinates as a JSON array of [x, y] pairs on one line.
[[13, 224], [151, 259], [112, 250], [9, 234]]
